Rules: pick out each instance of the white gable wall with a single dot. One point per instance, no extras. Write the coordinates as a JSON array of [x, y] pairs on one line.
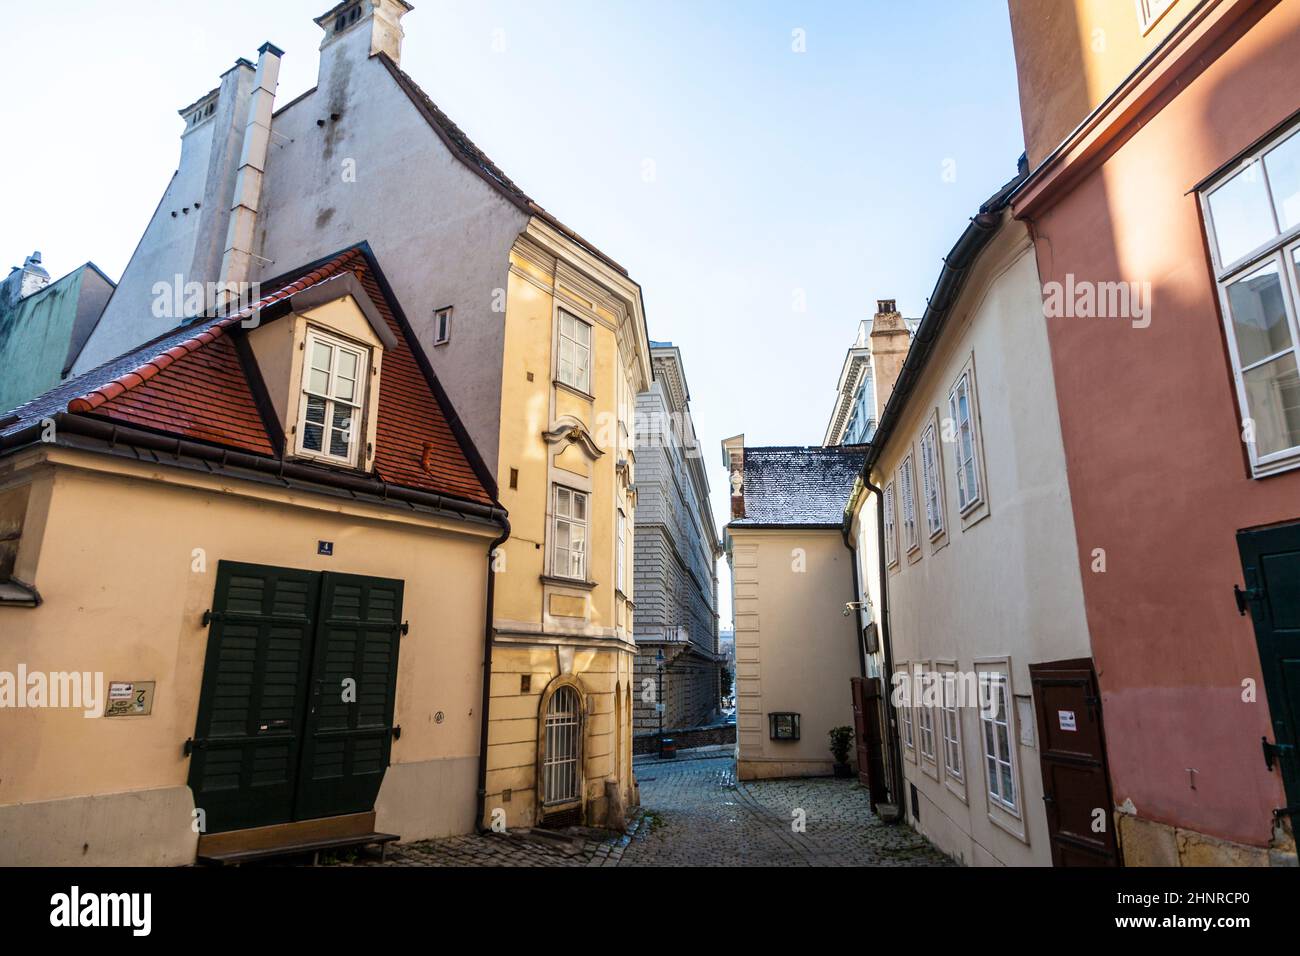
[[441, 234], [187, 227]]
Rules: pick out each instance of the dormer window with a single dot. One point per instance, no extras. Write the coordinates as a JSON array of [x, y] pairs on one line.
[[334, 381]]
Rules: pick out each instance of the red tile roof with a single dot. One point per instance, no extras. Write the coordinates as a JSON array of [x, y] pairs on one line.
[[197, 388]]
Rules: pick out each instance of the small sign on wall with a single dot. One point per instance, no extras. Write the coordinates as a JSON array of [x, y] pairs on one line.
[[1066, 719], [129, 698], [326, 548], [1025, 719]]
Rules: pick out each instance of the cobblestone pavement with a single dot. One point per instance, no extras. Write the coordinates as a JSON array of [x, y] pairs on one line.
[[697, 814], [694, 813]]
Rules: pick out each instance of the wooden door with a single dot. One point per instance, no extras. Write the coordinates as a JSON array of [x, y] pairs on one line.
[[248, 736], [868, 737], [348, 731], [281, 735], [1072, 752], [1270, 560]]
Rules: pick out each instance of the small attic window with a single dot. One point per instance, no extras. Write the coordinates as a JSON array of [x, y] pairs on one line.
[[442, 326], [333, 398]]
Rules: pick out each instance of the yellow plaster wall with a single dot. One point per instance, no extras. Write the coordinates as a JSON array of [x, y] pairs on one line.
[[124, 594]]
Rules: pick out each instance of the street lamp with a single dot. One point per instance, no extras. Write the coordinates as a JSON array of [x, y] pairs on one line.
[[659, 697]]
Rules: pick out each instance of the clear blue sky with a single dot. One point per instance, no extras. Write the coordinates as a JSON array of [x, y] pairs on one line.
[[775, 173]]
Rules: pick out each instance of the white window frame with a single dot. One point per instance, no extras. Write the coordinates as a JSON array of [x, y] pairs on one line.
[[621, 562], [907, 479], [579, 376], [442, 326], [1280, 250], [993, 789], [331, 398], [926, 737], [891, 526], [932, 481], [968, 500], [562, 563], [907, 726], [950, 737]]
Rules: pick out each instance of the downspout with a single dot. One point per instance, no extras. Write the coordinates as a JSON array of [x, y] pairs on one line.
[[487, 675], [857, 593], [896, 765]]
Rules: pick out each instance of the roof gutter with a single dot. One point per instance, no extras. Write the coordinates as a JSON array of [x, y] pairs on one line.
[[952, 279], [115, 434]]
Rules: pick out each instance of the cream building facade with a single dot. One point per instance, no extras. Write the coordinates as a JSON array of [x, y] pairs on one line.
[[538, 337], [792, 582], [218, 617], [965, 540]]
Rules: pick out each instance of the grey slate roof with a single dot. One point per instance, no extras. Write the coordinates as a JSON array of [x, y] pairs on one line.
[[798, 486]]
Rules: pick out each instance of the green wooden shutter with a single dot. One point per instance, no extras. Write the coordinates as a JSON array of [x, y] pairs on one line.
[[249, 729], [347, 743], [1270, 559]]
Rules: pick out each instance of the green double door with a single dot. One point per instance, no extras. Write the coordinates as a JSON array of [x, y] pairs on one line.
[[295, 716], [1270, 560]]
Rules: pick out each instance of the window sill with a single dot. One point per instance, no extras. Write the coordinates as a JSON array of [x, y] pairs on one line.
[[326, 461], [575, 390], [1276, 467], [14, 593], [568, 582]]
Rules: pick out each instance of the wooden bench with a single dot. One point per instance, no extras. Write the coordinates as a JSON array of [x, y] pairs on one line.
[[289, 839]]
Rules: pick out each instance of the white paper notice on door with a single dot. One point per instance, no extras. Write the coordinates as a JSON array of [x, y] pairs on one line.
[[1066, 719]]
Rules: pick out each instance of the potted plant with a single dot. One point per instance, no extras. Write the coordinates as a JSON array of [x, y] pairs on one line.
[[841, 740]]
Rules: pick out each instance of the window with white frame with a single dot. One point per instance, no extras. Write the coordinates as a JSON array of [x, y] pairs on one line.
[[574, 365], [931, 485], [1253, 216], [569, 534], [622, 548], [950, 724], [891, 527], [926, 715], [333, 389], [907, 729], [907, 478], [442, 326], [995, 720], [961, 405]]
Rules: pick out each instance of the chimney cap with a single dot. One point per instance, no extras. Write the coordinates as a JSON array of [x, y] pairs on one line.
[[328, 15], [32, 265], [886, 306], [269, 47]]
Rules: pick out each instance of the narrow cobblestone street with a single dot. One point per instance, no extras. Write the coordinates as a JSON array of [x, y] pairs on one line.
[[695, 813]]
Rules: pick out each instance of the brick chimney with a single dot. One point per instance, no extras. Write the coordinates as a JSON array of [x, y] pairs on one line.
[[890, 341], [355, 30]]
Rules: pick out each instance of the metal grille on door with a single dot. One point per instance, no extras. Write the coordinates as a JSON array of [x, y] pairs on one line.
[[560, 767]]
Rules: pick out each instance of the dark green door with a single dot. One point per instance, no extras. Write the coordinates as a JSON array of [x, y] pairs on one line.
[[1270, 559], [354, 680], [248, 737], [281, 734]]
